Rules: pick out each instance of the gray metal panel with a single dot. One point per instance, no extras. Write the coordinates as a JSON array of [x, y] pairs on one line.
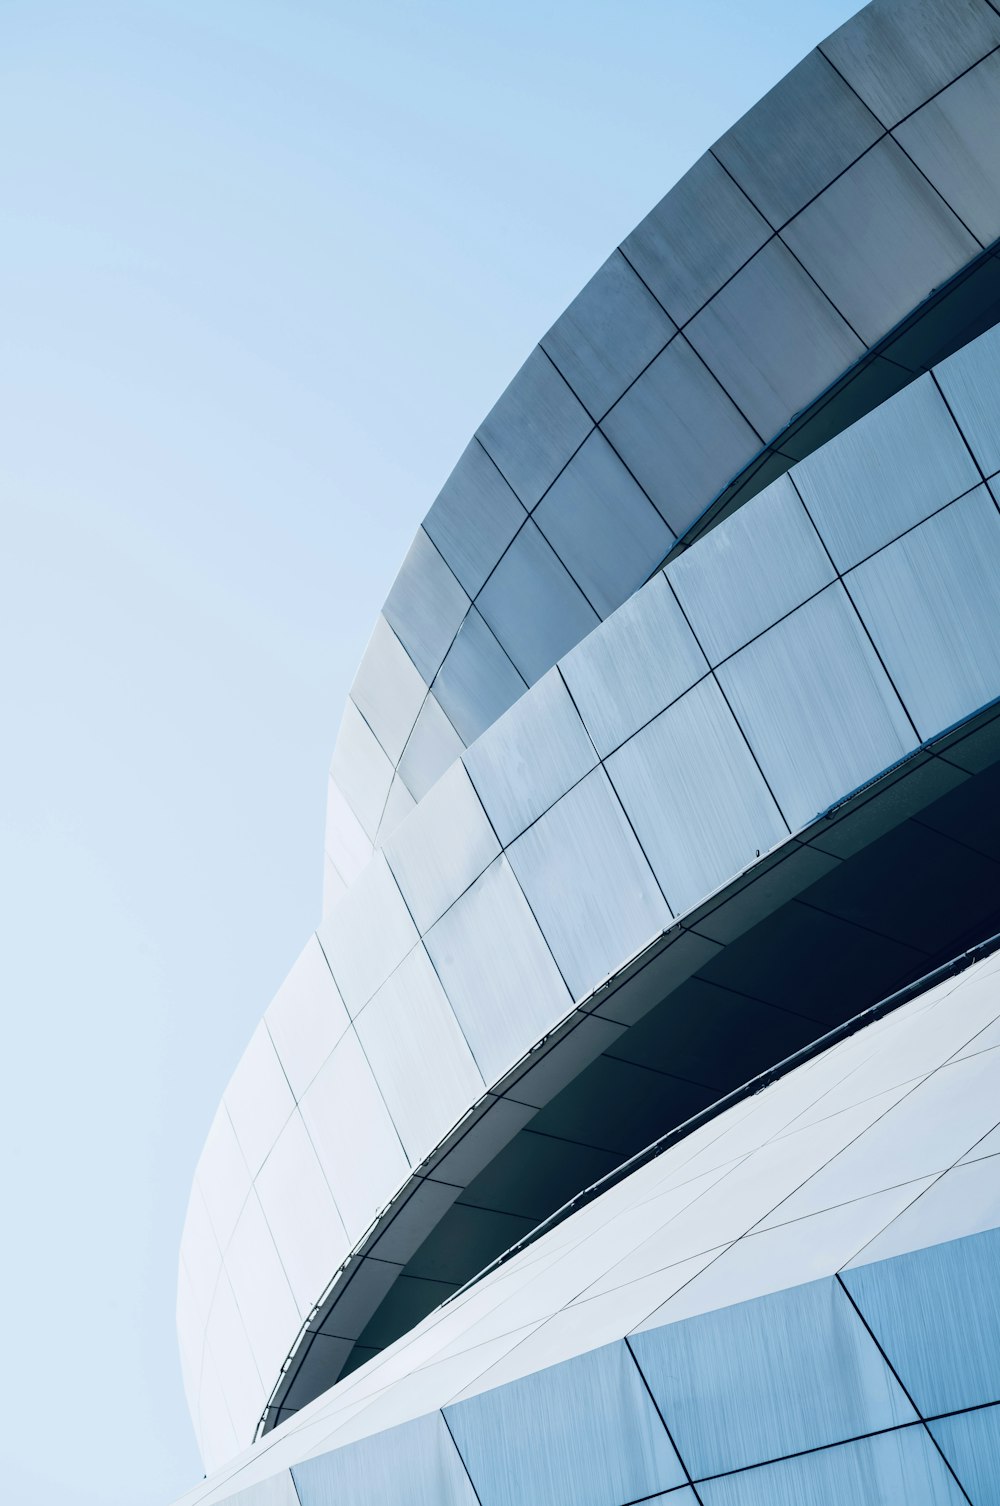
[[367, 934], [897, 53], [971, 1444], [633, 665], [586, 879], [970, 380], [477, 681], [530, 756], [667, 248], [743, 576], [931, 601], [398, 806], [534, 428], [602, 526], [817, 736], [425, 606], [680, 435], [361, 771], [953, 141], [416, 1464], [695, 796], [770, 335], [433, 745], [387, 689], [533, 605], [607, 335], [442, 847], [885, 473], [474, 517], [797, 138], [879, 240], [497, 970]]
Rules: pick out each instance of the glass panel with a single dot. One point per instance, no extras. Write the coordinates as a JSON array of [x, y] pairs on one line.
[[534, 428], [367, 935], [879, 240], [951, 140], [530, 757], [932, 604], [306, 1017], [971, 1445], [970, 380], [474, 518], [301, 1214], [584, 1433], [263, 1296], [425, 606], [695, 238], [602, 526], [936, 1314], [361, 771], [695, 796], [420, 1058], [258, 1098], [357, 1145], [680, 435], [899, 53], [797, 138], [497, 971], [477, 681], [790, 1371], [772, 338], [347, 842], [633, 665], [415, 1464], [607, 335], [445, 844], [817, 736], [433, 746], [589, 884], [533, 606], [754, 568], [387, 689], [884, 474], [900, 1466], [222, 1173]]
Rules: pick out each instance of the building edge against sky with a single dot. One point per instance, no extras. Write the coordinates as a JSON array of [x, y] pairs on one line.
[[673, 749]]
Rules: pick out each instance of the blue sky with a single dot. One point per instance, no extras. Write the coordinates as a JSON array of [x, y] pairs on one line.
[[266, 264]]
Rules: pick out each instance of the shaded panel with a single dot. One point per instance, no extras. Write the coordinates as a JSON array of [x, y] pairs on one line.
[[970, 380], [953, 141], [474, 517], [477, 681], [416, 1464], [387, 689], [363, 775], [971, 1445], [534, 428], [425, 606], [533, 605], [442, 847], [432, 746]]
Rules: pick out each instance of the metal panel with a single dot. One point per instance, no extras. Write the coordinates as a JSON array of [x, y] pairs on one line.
[[474, 517], [530, 757], [667, 248], [477, 681], [952, 140], [970, 380], [885, 473], [817, 736], [258, 1098], [497, 970], [533, 605], [636, 663], [363, 1174], [879, 240], [790, 1371], [936, 1315], [398, 806], [971, 1444], [931, 602], [750, 570], [363, 774], [795, 140], [387, 689], [679, 434], [607, 335], [347, 843], [588, 883], [602, 525], [367, 935], [416, 1464], [965, 1200], [534, 428], [771, 337], [433, 745], [425, 606], [263, 1296], [306, 1017], [420, 1058], [298, 1205], [442, 847], [695, 796], [582, 1434], [223, 1176], [898, 53]]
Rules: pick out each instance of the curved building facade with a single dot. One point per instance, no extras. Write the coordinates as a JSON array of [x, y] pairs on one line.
[[628, 1126]]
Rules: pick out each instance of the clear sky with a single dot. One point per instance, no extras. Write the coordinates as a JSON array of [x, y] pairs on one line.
[[266, 264]]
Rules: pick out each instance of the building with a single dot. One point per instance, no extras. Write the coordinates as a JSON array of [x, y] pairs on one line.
[[629, 1127]]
